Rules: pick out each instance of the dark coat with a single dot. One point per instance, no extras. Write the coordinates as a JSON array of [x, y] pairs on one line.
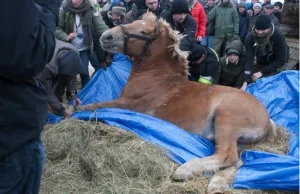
[[187, 27], [276, 54], [210, 26], [243, 25], [23, 55]]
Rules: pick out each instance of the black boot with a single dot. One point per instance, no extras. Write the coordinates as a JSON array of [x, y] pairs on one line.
[[85, 78]]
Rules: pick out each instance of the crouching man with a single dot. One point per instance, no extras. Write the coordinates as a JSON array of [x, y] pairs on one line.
[[61, 71], [203, 64], [267, 44], [231, 68]]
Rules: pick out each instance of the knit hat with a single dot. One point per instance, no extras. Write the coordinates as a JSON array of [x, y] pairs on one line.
[[279, 4], [69, 62], [242, 4], [196, 52], [263, 22], [118, 8], [232, 51], [180, 6], [257, 5]]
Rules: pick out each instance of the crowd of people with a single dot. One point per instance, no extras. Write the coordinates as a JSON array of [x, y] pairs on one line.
[[229, 43], [45, 44]]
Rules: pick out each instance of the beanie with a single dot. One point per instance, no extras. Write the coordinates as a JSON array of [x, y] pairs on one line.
[[180, 6], [196, 52], [257, 5], [69, 62], [242, 4], [263, 22], [231, 51], [116, 9], [279, 4]]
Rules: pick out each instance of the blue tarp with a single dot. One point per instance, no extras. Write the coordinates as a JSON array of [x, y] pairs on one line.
[[260, 170]]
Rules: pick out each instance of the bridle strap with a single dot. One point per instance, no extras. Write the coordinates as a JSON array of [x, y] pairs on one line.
[[149, 40]]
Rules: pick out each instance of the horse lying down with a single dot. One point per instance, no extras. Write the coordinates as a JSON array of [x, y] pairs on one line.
[[158, 85]]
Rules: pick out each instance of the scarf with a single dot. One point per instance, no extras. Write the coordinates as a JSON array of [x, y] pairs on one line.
[[83, 12], [262, 42], [191, 4]]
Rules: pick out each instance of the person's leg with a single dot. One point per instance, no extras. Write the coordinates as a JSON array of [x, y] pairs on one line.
[[85, 77], [204, 41], [21, 171], [218, 41], [210, 40], [94, 61]]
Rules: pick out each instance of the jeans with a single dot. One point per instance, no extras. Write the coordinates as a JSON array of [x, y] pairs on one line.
[[21, 171], [85, 77], [208, 41]]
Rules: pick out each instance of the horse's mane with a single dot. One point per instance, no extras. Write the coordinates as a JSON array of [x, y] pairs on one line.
[[174, 35]]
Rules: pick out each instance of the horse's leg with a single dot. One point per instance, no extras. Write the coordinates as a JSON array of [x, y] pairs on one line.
[[222, 180], [118, 103], [226, 154]]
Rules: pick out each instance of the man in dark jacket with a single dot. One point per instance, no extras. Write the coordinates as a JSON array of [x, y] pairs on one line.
[[208, 40], [61, 71], [27, 44], [180, 19], [204, 63], [231, 68], [267, 44], [243, 20]]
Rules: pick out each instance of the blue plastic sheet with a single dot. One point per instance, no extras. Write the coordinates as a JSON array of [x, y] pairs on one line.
[[260, 170]]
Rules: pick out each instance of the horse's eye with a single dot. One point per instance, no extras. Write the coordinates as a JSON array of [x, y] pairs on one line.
[[143, 32]]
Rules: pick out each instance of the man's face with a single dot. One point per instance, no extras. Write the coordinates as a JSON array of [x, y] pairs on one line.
[[277, 9], [115, 16], [256, 10], [269, 11], [179, 18], [210, 3], [261, 33], [152, 4], [77, 3], [225, 1], [233, 58], [242, 9]]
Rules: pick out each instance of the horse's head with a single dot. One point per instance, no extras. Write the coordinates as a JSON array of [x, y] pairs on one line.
[[133, 39]]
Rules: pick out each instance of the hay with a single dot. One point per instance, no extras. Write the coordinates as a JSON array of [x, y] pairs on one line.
[[279, 145], [88, 158]]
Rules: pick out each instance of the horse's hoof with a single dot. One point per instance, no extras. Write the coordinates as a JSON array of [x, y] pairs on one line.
[[182, 174]]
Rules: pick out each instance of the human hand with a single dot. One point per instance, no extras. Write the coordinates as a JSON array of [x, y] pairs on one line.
[[67, 113], [71, 36], [76, 101], [244, 87], [199, 38], [256, 76]]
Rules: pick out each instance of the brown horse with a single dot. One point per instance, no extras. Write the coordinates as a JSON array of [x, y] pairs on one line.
[[158, 85]]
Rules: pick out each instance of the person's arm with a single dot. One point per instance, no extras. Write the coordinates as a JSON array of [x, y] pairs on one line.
[[27, 39], [99, 24], [71, 81], [236, 23], [250, 55], [211, 15], [59, 31]]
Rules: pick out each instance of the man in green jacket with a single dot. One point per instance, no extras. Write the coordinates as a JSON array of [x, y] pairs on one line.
[[231, 67], [226, 19]]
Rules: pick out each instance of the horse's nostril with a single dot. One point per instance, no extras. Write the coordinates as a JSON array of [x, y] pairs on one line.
[[109, 38]]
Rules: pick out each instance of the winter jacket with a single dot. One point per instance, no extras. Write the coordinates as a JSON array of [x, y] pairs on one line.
[[26, 47], [226, 19], [231, 74], [276, 54], [187, 27], [251, 21], [49, 75], [210, 26], [199, 16], [62, 30], [274, 20], [243, 25]]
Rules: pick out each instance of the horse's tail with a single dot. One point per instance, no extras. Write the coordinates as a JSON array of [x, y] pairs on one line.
[[272, 131]]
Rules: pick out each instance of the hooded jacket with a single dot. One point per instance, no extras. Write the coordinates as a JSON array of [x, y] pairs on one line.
[[231, 74], [226, 19]]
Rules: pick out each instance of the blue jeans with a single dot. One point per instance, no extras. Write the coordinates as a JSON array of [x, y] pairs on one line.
[[208, 41], [85, 77], [21, 171]]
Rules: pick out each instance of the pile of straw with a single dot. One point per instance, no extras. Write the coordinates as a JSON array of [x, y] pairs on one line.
[[86, 157]]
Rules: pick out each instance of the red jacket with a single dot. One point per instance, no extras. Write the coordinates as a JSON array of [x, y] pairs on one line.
[[199, 16]]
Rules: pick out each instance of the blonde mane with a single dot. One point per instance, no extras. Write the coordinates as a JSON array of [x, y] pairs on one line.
[[174, 35]]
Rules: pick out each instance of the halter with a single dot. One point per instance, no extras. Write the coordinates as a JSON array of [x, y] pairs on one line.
[[149, 40]]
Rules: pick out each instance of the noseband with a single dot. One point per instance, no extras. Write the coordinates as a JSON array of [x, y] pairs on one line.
[[149, 40]]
